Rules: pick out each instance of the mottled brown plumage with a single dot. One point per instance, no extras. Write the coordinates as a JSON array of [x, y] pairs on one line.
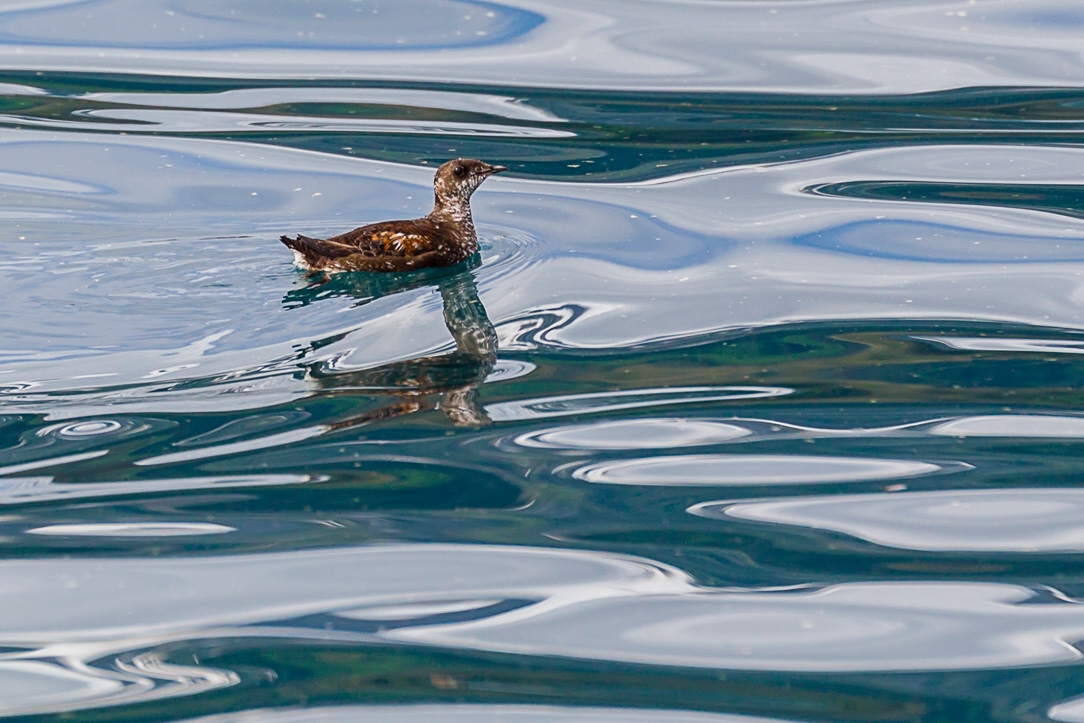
[[443, 238]]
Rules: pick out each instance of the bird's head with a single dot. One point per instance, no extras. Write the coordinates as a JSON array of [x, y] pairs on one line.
[[456, 180]]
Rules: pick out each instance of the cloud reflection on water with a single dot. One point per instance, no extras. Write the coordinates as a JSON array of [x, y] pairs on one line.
[[633, 434], [858, 46], [571, 604], [754, 469], [1025, 520], [715, 248], [475, 713]]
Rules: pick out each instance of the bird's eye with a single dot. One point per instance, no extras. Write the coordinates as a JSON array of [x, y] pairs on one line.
[[459, 171]]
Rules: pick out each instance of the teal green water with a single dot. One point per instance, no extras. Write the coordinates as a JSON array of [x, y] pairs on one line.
[[761, 402]]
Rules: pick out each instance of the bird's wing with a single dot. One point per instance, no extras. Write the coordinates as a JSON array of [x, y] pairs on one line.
[[392, 238]]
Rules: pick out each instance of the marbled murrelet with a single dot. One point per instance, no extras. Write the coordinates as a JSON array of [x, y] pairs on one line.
[[443, 238]]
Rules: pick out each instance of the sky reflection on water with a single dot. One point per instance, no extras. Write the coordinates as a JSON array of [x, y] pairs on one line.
[[1005, 520], [716, 251], [483, 714], [839, 46], [567, 604]]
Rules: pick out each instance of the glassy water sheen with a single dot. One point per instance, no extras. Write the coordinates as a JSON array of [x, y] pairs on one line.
[[763, 402]]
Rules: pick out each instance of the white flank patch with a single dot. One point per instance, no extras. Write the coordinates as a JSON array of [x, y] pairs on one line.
[[299, 260]]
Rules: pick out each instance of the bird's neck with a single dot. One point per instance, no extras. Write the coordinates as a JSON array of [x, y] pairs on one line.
[[456, 211]]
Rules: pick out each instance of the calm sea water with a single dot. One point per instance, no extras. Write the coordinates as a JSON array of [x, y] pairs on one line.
[[764, 400]]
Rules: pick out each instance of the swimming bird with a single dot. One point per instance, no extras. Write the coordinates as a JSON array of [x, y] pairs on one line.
[[443, 238]]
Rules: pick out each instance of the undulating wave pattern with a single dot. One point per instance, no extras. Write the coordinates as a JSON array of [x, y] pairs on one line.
[[560, 134], [848, 501], [763, 400], [859, 46]]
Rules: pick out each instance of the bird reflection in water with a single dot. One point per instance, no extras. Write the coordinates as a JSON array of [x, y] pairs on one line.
[[447, 382]]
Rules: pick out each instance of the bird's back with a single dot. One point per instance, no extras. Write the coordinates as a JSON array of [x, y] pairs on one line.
[[387, 246], [395, 238]]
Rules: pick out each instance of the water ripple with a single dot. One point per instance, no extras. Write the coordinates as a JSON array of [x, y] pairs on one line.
[[628, 45], [1006, 520], [203, 121], [570, 404], [520, 601], [750, 469], [24, 490], [204, 25], [131, 529], [844, 628], [503, 106], [1069, 711], [35, 686], [1007, 344], [475, 713], [1018, 426], [633, 434]]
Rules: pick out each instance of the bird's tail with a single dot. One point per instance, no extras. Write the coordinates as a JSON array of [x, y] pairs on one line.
[[302, 253], [311, 253]]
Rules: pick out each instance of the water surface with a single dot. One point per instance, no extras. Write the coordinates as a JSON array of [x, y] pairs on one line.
[[762, 401]]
